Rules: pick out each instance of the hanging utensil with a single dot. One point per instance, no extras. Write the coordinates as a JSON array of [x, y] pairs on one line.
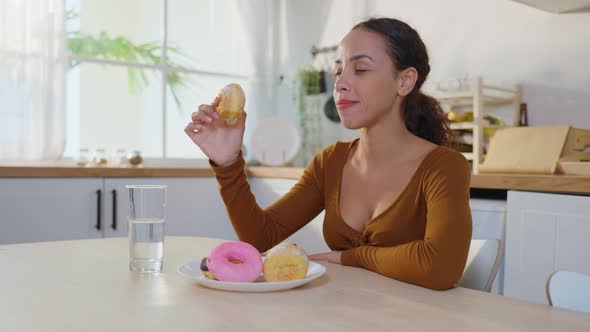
[[330, 110]]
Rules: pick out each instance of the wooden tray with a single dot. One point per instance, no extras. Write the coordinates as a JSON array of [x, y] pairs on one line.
[[574, 168], [576, 163], [538, 150]]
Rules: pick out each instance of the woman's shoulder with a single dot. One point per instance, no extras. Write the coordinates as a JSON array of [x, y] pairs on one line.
[[447, 173], [326, 161], [446, 155], [335, 152], [446, 162]]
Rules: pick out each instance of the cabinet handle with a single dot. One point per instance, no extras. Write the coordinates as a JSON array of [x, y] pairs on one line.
[[114, 224], [98, 208]]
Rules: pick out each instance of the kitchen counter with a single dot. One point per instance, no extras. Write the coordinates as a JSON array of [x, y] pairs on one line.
[[200, 168], [85, 285]]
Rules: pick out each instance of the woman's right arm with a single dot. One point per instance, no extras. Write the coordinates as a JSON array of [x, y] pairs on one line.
[[221, 142], [264, 228]]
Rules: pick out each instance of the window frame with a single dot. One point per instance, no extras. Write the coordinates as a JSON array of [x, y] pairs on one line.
[[163, 68]]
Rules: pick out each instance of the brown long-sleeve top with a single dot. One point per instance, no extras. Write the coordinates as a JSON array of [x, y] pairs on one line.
[[422, 238]]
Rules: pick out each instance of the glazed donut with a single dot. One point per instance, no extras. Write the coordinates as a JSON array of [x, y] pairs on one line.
[[285, 262], [234, 261], [231, 103]]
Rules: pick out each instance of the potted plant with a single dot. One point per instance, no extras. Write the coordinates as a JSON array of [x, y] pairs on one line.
[[309, 106], [120, 48]]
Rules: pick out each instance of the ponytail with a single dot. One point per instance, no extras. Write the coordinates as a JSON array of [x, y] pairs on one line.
[[425, 118]]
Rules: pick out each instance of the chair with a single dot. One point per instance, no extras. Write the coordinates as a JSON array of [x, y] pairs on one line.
[[482, 265], [569, 290]]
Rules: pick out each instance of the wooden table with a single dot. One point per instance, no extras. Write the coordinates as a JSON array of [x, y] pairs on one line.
[[86, 286]]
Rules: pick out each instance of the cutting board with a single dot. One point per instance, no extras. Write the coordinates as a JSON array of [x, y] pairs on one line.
[[534, 150]]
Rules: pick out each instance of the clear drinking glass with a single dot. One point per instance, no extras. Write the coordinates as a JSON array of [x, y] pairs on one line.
[[147, 213]]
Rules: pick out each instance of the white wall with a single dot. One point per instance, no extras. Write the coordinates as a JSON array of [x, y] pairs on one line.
[[503, 41], [500, 40]]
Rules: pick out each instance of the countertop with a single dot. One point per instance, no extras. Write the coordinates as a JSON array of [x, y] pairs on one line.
[[85, 285], [200, 168]]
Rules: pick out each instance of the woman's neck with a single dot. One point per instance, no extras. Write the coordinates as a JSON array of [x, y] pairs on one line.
[[385, 142]]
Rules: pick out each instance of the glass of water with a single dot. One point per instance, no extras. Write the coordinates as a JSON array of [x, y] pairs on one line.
[[147, 212]]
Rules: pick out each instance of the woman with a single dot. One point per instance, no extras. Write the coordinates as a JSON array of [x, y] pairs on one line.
[[396, 199]]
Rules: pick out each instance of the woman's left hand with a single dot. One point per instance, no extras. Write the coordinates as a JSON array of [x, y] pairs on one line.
[[332, 257]]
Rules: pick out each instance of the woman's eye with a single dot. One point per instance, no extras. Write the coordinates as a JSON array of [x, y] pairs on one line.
[[357, 71]]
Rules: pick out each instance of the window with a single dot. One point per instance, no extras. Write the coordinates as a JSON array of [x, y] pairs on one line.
[[130, 99]]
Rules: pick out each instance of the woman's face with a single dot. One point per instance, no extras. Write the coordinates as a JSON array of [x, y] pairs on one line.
[[366, 88]]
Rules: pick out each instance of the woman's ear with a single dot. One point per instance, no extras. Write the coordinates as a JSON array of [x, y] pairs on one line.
[[407, 80]]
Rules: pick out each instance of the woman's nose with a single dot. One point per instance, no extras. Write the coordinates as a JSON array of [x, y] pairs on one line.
[[341, 84]]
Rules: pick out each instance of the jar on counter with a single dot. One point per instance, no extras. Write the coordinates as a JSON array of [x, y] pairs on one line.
[[100, 157], [83, 157], [119, 158], [134, 158]]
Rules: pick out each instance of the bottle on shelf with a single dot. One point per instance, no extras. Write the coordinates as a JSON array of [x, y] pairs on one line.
[[523, 116]]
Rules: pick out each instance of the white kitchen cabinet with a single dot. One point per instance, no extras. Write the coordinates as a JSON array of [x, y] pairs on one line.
[[35, 209], [193, 207], [38, 209], [544, 233], [489, 217]]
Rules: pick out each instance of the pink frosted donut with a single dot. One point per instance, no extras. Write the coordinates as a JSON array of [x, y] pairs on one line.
[[235, 261]]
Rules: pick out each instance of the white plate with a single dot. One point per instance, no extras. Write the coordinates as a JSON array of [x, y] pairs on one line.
[[193, 270], [275, 141]]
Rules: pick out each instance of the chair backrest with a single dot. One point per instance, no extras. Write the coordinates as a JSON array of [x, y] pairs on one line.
[[482, 265], [569, 290]]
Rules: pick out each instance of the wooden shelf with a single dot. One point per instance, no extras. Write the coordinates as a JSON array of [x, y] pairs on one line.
[[462, 125], [471, 125], [499, 88], [453, 95], [481, 98], [467, 155], [464, 100]]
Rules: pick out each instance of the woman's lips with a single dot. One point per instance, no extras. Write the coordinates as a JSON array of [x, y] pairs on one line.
[[344, 103]]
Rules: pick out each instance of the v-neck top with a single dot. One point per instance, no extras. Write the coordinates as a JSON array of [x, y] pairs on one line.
[[392, 205], [422, 238]]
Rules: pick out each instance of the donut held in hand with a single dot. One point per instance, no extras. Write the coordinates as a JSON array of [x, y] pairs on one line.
[[231, 103]]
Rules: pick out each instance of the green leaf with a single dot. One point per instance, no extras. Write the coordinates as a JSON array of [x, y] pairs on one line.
[[120, 48], [131, 79]]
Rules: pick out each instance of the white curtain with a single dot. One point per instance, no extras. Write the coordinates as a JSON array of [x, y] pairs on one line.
[[258, 18], [32, 82]]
